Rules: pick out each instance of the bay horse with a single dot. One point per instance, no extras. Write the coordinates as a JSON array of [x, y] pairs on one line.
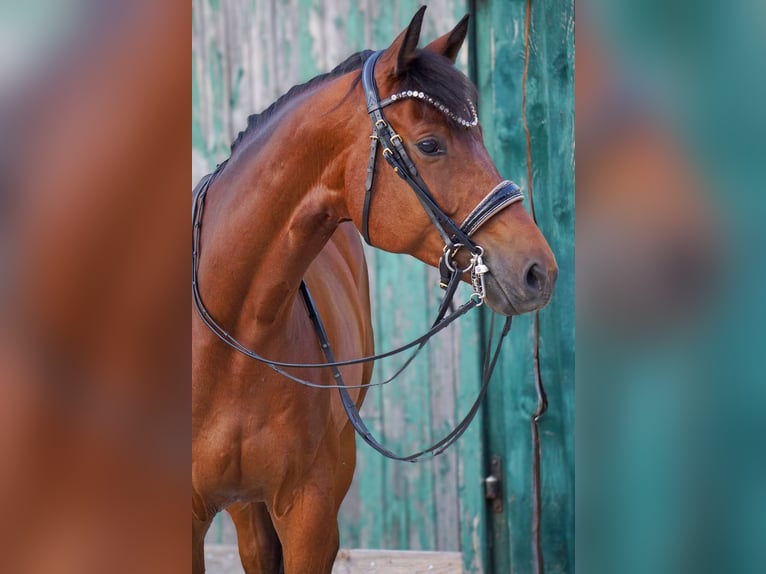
[[288, 206]]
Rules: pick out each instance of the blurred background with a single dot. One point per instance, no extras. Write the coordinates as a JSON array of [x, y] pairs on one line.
[[670, 392], [94, 331]]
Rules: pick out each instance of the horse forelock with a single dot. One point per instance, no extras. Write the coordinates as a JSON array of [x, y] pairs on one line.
[[428, 72], [437, 77]]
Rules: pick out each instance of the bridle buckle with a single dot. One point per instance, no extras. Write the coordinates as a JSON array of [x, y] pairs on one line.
[[478, 271]]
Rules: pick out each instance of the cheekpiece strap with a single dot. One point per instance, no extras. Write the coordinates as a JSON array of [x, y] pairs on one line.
[[397, 157]]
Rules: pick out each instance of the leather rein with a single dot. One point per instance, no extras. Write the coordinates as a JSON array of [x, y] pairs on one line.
[[455, 237]]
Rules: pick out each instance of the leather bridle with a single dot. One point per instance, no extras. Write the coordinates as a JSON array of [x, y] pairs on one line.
[[455, 237]]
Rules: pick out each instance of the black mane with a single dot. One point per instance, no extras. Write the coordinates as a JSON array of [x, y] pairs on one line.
[[428, 72]]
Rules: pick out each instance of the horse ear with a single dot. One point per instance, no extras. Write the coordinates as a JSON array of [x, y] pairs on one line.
[[403, 48], [449, 44]]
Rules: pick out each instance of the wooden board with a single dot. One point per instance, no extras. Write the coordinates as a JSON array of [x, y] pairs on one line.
[[223, 559], [544, 168]]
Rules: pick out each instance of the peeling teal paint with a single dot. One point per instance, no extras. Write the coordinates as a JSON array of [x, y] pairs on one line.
[[354, 28], [216, 72], [198, 140], [550, 116], [235, 87]]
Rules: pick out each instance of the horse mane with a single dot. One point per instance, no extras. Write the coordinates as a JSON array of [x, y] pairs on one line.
[[353, 62], [428, 72]]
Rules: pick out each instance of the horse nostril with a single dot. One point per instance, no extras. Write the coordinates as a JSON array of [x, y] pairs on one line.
[[535, 278]]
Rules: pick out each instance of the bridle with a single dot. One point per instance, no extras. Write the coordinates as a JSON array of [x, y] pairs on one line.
[[455, 238]]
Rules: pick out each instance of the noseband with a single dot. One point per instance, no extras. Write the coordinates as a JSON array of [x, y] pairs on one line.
[[455, 237]]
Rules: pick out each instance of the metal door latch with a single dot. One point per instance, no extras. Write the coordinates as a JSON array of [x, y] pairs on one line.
[[493, 485]]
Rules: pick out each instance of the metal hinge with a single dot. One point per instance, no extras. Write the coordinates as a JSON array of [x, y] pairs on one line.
[[493, 485]]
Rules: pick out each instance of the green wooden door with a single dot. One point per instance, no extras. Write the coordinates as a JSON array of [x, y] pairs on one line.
[[542, 163], [244, 55]]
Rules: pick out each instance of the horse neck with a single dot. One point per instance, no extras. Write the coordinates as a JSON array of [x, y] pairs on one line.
[[274, 207]]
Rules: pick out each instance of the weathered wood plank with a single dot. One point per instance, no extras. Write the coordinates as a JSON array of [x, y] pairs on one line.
[[397, 562], [471, 448], [550, 118], [552, 78], [224, 559], [443, 361]]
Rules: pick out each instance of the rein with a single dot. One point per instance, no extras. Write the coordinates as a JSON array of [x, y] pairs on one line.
[[455, 237], [440, 324], [353, 413]]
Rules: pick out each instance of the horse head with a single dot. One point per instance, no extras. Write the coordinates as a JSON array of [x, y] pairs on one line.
[[431, 106]]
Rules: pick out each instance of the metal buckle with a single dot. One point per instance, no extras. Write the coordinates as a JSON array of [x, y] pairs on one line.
[[475, 265], [478, 271], [449, 256]]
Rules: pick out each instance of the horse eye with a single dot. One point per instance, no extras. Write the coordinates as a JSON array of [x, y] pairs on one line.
[[429, 146]]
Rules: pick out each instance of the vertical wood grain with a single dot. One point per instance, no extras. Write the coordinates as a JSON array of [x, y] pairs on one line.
[[512, 397]]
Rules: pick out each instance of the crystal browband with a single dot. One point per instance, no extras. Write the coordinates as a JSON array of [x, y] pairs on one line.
[[474, 121]]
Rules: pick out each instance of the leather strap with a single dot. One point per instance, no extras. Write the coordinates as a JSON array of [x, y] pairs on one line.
[[399, 160], [200, 193], [504, 194], [352, 412], [368, 188]]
